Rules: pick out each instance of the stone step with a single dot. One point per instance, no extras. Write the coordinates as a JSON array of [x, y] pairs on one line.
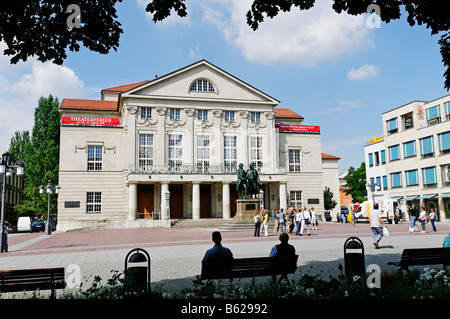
[[205, 222]]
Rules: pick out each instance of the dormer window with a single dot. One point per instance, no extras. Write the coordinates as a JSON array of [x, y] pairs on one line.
[[202, 86]]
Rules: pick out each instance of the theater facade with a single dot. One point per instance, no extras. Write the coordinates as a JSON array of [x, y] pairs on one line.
[[156, 151]]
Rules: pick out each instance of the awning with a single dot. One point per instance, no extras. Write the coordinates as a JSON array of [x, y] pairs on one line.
[[428, 196], [396, 197], [412, 197], [445, 195]]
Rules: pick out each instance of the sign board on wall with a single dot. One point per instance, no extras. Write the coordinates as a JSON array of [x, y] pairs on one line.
[[292, 128], [375, 140], [77, 120]]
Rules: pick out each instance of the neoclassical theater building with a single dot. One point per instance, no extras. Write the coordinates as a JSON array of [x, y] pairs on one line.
[[156, 151]]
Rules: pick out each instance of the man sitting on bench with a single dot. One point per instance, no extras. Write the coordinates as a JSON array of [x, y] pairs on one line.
[[217, 259], [283, 248]]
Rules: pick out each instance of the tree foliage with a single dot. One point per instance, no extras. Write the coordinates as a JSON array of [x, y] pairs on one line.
[[356, 183], [19, 144], [431, 13], [328, 201], [41, 158], [40, 28]]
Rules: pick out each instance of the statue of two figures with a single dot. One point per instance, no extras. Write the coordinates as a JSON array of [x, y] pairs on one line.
[[248, 182]]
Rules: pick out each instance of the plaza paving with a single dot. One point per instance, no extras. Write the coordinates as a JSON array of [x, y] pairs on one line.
[[176, 252]]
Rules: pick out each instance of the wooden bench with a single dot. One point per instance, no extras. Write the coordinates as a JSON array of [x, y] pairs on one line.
[[252, 267], [423, 256], [32, 279]]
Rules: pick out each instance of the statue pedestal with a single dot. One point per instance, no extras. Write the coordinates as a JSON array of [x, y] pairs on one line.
[[246, 209]]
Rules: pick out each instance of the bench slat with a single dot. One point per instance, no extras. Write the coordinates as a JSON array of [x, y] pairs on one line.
[[31, 279], [423, 256]]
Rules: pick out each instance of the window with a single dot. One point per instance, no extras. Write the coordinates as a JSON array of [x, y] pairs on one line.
[[394, 152], [376, 157], [409, 149], [385, 184], [444, 141], [433, 115], [429, 176], [396, 180], [229, 116], [255, 117], [146, 112], [379, 181], [383, 157], [94, 160], [370, 159], [408, 121], [447, 110], [295, 198], [94, 202], [202, 115], [412, 177], [256, 152], [202, 153], [294, 160], [202, 86], [392, 126], [229, 153], [174, 114], [145, 149], [175, 151], [427, 146]]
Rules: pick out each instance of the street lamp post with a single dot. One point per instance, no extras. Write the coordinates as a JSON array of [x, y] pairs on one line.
[[373, 187], [50, 189], [7, 170]]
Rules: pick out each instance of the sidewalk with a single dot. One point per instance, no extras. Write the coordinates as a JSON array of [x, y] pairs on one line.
[[176, 253]]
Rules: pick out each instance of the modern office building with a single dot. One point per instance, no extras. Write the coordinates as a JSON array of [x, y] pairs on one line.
[[167, 149], [417, 153], [375, 159]]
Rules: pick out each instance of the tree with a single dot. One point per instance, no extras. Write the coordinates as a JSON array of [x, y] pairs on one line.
[[42, 158], [329, 202], [430, 13], [356, 183], [46, 28], [19, 144]]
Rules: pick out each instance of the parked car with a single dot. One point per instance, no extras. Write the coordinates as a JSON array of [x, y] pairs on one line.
[[24, 224], [38, 225]]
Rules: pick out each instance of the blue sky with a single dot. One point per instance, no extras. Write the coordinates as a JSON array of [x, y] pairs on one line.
[[332, 69]]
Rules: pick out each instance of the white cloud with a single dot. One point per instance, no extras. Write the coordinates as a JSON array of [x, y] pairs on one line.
[[22, 85], [303, 38], [363, 72]]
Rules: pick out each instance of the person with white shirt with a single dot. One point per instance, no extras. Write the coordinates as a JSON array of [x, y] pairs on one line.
[[298, 221], [376, 224], [313, 219], [306, 220]]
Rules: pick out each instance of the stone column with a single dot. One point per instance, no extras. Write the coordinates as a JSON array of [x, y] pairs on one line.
[[226, 214], [195, 200], [283, 199], [132, 201], [165, 214]]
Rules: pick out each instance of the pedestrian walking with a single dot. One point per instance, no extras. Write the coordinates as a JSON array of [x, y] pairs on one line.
[[423, 219], [276, 219], [376, 224], [282, 218], [265, 222], [258, 220], [306, 221], [414, 213], [298, 221], [433, 219], [314, 222], [291, 218]]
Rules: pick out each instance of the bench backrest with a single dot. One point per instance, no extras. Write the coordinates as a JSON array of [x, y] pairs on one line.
[[31, 279], [424, 256]]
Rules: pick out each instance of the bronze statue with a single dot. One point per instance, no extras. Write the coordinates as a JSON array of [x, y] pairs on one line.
[[241, 185], [248, 183], [253, 182]]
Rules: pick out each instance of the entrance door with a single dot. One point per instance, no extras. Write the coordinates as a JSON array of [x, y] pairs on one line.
[[205, 201], [234, 195], [176, 200], [145, 201]]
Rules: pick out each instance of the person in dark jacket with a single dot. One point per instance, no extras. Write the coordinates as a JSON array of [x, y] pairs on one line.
[[283, 248]]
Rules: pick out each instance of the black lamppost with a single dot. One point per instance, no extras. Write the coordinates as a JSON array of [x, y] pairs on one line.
[[7, 170], [50, 190], [373, 187]]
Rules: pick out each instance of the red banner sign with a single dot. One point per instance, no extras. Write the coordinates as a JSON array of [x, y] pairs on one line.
[[90, 120], [298, 128]]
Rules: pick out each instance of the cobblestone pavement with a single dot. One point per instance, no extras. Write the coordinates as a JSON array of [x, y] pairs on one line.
[[176, 252]]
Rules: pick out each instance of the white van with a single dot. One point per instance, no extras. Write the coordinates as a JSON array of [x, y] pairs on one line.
[[387, 208], [24, 224]]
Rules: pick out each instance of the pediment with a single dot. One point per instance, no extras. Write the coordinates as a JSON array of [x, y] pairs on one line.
[[178, 85]]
